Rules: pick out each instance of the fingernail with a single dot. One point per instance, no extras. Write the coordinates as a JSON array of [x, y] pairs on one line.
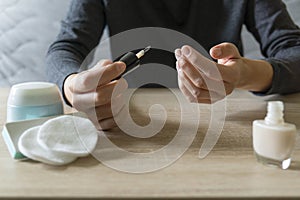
[[217, 52], [177, 54], [186, 51]]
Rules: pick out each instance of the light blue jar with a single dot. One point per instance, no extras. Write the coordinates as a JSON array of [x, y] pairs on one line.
[[33, 100]]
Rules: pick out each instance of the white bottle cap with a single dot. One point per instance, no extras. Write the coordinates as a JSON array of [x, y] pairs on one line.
[[34, 94], [275, 112]]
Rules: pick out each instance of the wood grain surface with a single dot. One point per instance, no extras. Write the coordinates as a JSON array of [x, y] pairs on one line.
[[229, 171]]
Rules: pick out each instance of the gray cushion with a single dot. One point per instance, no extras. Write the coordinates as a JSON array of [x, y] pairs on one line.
[[27, 27]]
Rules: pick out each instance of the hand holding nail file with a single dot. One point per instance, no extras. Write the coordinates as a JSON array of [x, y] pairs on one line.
[[132, 60]]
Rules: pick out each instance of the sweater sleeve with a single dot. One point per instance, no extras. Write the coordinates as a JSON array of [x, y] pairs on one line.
[[279, 39], [79, 35]]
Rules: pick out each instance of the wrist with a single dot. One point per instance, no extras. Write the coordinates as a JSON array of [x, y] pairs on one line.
[[244, 74], [67, 89], [255, 75]]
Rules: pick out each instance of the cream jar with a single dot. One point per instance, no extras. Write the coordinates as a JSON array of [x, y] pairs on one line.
[[33, 100]]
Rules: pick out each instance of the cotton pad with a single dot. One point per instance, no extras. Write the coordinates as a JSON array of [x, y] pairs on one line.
[[30, 147], [69, 134]]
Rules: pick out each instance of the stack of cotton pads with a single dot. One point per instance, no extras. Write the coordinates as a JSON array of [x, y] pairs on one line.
[[59, 141]]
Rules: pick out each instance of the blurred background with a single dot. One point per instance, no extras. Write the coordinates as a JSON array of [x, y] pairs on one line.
[[27, 28]]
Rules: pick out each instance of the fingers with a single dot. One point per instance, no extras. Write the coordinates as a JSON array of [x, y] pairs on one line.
[[101, 74], [103, 63], [109, 110], [185, 91], [110, 122], [224, 73], [94, 92], [199, 62], [224, 52], [194, 64], [101, 96], [107, 124], [198, 87], [105, 94], [204, 67], [229, 61], [189, 70], [195, 94], [93, 88], [193, 74], [111, 72], [103, 125], [104, 117], [199, 80]]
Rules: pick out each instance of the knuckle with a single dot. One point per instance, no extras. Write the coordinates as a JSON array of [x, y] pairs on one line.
[[107, 124], [197, 93], [83, 79], [209, 73], [86, 80], [198, 82], [228, 91], [102, 116], [101, 99], [101, 77], [76, 104], [182, 63], [193, 59]]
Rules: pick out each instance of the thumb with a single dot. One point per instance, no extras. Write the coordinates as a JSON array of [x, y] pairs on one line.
[[225, 51]]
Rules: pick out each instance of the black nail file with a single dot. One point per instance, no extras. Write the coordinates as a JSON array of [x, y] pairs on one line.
[[131, 60]]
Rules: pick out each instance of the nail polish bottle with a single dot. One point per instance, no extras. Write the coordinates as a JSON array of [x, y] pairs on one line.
[[274, 139]]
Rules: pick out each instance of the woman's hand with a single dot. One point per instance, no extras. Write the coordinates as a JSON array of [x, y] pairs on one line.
[[91, 92], [204, 81]]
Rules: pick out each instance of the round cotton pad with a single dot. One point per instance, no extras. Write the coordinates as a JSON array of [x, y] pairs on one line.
[[69, 134], [29, 146]]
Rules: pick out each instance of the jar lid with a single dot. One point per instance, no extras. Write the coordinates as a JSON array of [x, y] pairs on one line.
[[34, 94]]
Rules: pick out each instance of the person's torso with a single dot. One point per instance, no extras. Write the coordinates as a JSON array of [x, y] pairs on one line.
[[209, 22]]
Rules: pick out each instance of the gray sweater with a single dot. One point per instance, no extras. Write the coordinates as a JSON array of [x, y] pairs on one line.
[[209, 22]]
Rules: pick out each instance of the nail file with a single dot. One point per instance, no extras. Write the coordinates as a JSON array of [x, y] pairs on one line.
[[132, 61]]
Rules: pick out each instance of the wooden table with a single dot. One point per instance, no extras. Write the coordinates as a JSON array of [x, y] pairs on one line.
[[230, 170]]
